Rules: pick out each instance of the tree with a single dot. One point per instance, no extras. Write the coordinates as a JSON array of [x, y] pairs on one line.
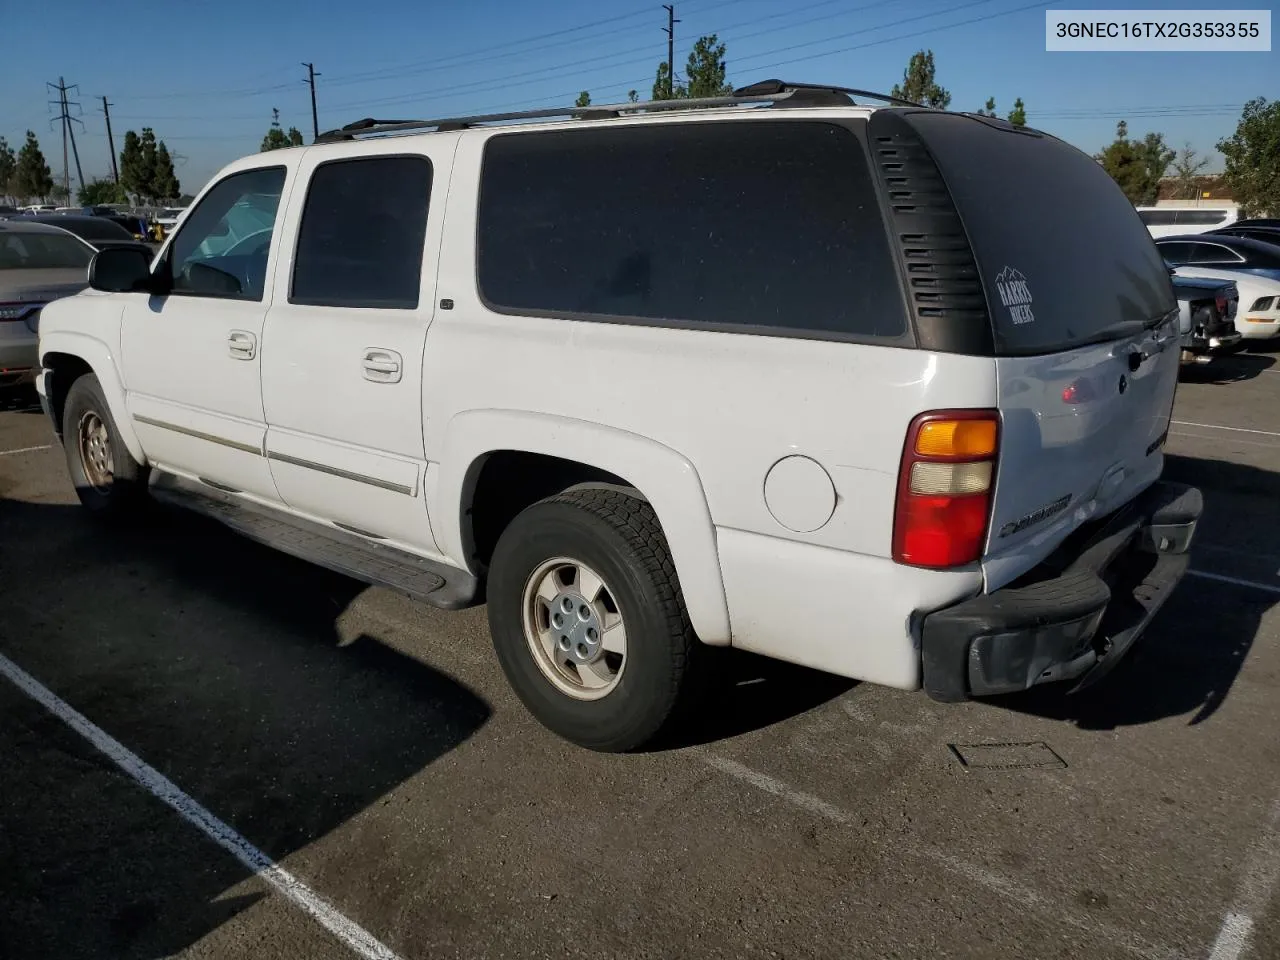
[[274, 140], [7, 167], [1018, 115], [918, 84], [632, 97], [584, 99], [989, 110], [31, 176], [1136, 165], [165, 186], [705, 70], [1253, 159], [59, 193], [1186, 168], [98, 191], [663, 88], [132, 176], [295, 137]]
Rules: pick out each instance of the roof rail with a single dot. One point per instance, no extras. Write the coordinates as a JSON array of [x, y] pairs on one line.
[[773, 92]]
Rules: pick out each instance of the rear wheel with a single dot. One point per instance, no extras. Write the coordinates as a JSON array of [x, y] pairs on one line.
[[588, 620], [108, 481]]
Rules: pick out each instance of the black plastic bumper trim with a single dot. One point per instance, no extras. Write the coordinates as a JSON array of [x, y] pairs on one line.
[[1075, 616]]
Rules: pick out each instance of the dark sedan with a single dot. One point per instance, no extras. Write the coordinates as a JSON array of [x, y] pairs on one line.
[[1266, 230], [98, 232], [1218, 251]]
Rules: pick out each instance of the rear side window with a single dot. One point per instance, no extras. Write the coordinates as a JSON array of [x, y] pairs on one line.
[[750, 226], [1213, 253], [1157, 218], [1176, 253], [1062, 253], [362, 233]]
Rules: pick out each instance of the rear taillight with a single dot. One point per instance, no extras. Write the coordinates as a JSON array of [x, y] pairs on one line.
[[1222, 306], [944, 488]]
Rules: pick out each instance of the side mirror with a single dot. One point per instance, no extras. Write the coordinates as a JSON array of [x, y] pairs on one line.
[[120, 270]]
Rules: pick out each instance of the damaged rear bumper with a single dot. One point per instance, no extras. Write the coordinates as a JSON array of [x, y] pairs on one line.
[[1073, 617]]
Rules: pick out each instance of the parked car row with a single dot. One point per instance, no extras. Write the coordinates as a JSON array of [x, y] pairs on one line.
[[1250, 263]]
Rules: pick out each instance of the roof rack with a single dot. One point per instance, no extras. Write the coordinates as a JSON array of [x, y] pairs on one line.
[[776, 93]]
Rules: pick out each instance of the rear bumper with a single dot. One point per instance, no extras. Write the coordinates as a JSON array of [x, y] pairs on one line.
[[1076, 615], [19, 359]]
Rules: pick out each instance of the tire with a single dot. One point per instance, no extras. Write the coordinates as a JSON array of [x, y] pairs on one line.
[[91, 442], [616, 537]]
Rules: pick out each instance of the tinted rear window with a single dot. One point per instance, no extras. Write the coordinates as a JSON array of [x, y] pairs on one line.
[[1062, 253], [99, 229], [754, 226]]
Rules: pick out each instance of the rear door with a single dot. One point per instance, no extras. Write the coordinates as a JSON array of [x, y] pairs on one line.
[[1084, 323], [344, 341]]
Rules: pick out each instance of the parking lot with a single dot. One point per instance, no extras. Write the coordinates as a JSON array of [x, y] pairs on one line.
[[369, 747]]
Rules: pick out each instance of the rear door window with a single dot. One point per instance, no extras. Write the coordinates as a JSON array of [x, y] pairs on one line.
[[748, 226], [1062, 253], [363, 230]]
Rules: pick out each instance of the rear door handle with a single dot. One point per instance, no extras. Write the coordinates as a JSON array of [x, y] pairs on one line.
[[242, 345], [382, 366]]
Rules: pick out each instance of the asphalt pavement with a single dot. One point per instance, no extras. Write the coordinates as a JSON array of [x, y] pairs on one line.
[[368, 751]]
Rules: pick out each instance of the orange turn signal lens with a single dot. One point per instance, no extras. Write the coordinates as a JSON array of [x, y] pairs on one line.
[[956, 438]]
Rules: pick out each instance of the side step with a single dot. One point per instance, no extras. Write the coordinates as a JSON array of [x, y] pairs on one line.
[[438, 584]]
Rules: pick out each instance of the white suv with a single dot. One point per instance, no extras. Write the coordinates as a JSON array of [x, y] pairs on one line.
[[775, 371]]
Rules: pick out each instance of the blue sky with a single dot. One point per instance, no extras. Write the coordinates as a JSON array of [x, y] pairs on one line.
[[205, 74]]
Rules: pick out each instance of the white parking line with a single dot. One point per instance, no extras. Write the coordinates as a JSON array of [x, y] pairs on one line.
[[1257, 881], [6, 453], [1237, 581], [976, 873], [348, 931], [1215, 426]]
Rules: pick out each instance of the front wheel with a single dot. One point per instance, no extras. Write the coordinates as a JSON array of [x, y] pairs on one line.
[[588, 620], [108, 481]]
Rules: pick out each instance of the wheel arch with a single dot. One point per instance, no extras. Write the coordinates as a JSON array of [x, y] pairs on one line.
[[607, 456], [65, 357]]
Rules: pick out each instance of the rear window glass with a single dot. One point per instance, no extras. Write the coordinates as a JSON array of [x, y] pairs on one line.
[[34, 251], [1062, 253], [750, 226], [99, 229]]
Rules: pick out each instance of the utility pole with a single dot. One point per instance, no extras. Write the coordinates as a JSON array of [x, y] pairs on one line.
[[64, 115], [311, 82], [670, 31], [111, 143]]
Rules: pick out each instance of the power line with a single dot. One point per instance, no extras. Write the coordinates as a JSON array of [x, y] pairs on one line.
[[499, 83]]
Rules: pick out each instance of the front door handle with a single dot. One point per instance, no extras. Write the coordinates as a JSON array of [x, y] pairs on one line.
[[242, 345], [382, 366]]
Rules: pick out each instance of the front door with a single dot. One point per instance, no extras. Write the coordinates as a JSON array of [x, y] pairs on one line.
[[342, 364], [191, 358]]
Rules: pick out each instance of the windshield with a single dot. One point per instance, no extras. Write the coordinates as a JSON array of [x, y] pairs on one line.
[[1062, 253], [98, 229], [36, 251]]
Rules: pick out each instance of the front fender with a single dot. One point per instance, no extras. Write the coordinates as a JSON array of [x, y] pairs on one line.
[[666, 479], [98, 356]]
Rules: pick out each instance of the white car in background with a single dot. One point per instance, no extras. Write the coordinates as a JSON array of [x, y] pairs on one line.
[[1167, 221], [1252, 265]]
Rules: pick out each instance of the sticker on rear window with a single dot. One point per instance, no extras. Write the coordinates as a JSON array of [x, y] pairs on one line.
[[1015, 293]]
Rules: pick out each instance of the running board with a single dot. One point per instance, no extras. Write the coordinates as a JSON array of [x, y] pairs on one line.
[[438, 584]]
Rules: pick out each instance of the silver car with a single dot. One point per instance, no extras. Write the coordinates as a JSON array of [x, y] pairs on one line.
[[38, 264]]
